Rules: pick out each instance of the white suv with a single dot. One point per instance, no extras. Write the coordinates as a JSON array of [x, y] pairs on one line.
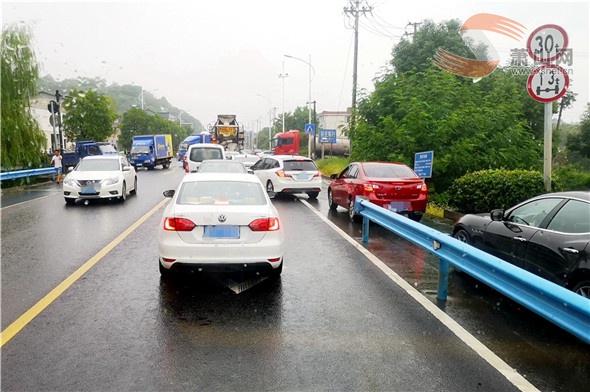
[[289, 174], [199, 152]]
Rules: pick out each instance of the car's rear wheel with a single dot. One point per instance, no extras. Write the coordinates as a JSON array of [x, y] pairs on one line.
[[134, 190], [313, 195], [70, 200], [416, 217], [583, 288], [269, 186], [462, 236], [331, 203], [352, 215], [123, 196]]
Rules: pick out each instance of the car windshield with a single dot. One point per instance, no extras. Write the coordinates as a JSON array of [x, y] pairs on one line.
[[221, 193], [388, 171], [107, 149], [98, 165], [202, 153], [140, 150], [300, 165]]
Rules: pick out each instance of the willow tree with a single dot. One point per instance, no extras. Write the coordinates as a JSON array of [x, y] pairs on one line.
[[22, 139]]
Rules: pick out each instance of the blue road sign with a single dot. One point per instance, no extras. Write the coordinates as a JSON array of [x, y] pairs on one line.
[[328, 136], [423, 164], [310, 129]]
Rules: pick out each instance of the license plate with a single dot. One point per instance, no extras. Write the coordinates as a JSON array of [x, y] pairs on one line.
[[302, 177], [139, 164], [396, 206], [87, 189], [223, 231]]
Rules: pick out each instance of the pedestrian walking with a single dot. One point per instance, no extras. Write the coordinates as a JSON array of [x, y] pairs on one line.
[[56, 163]]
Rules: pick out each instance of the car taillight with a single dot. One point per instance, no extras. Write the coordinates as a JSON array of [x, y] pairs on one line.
[[423, 187], [264, 224], [281, 173], [318, 174], [178, 224]]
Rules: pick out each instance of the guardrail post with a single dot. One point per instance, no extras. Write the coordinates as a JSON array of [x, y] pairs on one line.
[[443, 279], [366, 223]]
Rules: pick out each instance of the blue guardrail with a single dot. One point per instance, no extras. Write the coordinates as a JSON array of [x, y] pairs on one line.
[[26, 173], [564, 308]]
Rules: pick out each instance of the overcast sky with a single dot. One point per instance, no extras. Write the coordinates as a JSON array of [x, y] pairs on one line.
[[225, 56]]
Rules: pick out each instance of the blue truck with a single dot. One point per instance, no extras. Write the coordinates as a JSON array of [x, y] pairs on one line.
[[150, 151], [84, 148], [194, 138]]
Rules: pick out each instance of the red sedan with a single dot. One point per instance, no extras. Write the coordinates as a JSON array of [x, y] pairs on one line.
[[393, 186]]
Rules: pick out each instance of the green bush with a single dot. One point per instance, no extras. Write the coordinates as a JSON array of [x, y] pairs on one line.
[[572, 178], [485, 190]]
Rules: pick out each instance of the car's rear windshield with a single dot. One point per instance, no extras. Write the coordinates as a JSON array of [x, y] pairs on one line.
[[300, 165], [388, 171], [202, 153], [222, 166], [221, 192]]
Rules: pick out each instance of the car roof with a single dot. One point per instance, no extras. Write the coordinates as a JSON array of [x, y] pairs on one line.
[[208, 145], [106, 156], [582, 195], [284, 157], [243, 177]]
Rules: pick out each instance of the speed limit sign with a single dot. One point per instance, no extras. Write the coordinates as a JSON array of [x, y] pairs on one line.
[[547, 43], [548, 83]]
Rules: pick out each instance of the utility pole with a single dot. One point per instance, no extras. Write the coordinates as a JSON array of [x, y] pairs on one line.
[[415, 24], [355, 9]]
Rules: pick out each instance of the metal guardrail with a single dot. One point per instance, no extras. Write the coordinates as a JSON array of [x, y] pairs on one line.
[[26, 173], [564, 308]]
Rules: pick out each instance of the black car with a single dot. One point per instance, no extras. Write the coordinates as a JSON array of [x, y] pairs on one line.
[[548, 235]]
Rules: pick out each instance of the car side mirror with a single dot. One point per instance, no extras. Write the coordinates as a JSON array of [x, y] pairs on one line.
[[126, 168], [250, 171], [169, 193], [333, 176], [497, 215]]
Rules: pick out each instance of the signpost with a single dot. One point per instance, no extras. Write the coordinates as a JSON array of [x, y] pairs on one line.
[[423, 164], [548, 82], [327, 136]]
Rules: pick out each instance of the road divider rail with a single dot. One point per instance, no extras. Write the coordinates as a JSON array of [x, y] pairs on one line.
[[562, 307], [26, 173]]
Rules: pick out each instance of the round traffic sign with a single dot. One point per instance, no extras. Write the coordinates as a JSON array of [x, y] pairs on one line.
[[548, 83], [547, 43]]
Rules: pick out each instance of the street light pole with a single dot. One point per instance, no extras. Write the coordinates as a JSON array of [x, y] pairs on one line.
[[283, 76], [141, 95], [309, 97], [269, 120]]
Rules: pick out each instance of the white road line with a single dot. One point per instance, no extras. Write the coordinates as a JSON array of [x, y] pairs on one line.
[[511, 374]]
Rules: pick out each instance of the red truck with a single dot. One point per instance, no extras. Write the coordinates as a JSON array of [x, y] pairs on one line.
[[286, 143]]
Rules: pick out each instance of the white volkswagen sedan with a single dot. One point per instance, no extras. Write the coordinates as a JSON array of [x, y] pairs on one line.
[[100, 177], [220, 222]]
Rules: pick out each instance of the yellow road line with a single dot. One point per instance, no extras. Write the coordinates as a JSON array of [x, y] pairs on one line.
[[34, 311]]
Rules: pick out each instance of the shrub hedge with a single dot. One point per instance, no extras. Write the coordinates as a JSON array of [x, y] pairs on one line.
[[484, 190]]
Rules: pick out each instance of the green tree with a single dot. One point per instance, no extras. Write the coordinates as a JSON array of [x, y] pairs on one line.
[[469, 126], [88, 116], [580, 142], [22, 140]]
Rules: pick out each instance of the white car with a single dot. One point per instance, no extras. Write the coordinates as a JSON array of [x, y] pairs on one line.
[[220, 222], [199, 152], [289, 174], [100, 177]]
